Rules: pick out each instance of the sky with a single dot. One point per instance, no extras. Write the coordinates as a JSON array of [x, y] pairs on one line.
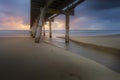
[[14, 14], [89, 15]]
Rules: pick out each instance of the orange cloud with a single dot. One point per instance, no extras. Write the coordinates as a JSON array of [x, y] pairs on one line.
[[56, 25], [13, 23]]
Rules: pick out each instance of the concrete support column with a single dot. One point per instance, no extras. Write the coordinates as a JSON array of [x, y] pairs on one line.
[[50, 29], [40, 25], [31, 32], [34, 28], [67, 27], [38, 34]]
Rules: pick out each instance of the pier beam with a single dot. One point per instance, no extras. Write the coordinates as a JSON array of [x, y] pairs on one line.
[[50, 29], [67, 27]]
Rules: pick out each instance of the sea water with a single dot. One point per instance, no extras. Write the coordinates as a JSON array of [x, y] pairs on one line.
[[86, 32], [25, 33], [14, 33]]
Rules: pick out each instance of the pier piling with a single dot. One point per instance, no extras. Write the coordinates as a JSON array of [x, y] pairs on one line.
[[50, 29], [67, 27]]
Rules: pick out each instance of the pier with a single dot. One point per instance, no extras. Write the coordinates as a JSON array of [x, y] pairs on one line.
[[46, 10]]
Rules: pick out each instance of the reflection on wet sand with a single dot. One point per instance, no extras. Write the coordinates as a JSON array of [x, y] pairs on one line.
[[110, 60]]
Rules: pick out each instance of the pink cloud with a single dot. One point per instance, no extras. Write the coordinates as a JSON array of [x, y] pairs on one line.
[[13, 23]]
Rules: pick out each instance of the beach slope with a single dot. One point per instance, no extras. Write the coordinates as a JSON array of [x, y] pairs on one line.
[[22, 59]]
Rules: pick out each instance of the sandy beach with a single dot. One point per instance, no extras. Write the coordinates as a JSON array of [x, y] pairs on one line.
[[22, 59]]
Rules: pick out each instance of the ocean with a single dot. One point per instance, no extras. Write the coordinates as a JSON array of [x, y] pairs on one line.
[[14, 33], [26, 33], [86, 32]]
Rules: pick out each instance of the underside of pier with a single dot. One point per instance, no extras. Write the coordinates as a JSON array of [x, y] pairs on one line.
[[46, 10]]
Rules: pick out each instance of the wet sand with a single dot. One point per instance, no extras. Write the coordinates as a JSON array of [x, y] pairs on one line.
[[109, 44], [110, 60], [22, 59]]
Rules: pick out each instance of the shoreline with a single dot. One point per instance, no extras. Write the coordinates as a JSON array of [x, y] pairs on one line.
[[93, 45]]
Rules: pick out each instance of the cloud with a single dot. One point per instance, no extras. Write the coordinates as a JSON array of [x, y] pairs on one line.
[[96, 14], [99, 4], [58, 24], [91, 14], [13, 23], [102, 12], [14, 9]]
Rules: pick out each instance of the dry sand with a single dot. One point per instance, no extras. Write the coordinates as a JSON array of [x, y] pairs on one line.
[[22, 59]]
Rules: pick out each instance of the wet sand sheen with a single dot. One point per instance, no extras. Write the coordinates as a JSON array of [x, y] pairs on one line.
[[106, 58], [22, 59], [109, 44]]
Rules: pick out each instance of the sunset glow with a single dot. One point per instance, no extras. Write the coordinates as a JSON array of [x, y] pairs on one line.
[[14, 14], [13, 23], [56, 25], [47, 26]]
